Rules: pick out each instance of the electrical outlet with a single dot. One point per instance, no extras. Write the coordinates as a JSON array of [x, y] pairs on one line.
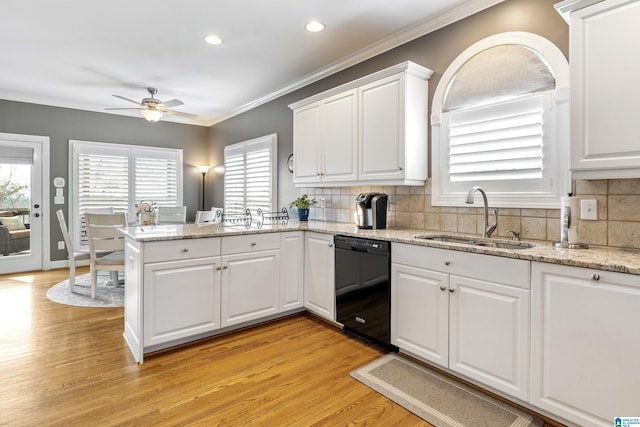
[[61, 244], [589, 210]]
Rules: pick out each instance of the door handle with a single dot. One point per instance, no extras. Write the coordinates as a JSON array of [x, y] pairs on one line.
[[36, 206], [37, 215]]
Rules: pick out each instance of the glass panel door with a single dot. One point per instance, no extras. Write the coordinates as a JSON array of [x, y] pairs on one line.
[[20, 205]]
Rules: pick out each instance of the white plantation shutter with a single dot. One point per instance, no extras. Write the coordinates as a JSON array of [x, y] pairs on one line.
[[118, 176], [103, 182], [234, 180], [497, 142], [250, 175], [156, 179]]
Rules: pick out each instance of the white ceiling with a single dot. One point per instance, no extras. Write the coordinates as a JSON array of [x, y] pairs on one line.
[[78, 53]]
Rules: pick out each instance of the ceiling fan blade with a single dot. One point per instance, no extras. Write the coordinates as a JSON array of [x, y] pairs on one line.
[[127, 99], [124, 108], [178, 113], [172, 103]]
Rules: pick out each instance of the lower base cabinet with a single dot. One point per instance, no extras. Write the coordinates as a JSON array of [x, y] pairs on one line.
[[249, 286], [586, 343], [441, 313], [319, 280], [181, 299]]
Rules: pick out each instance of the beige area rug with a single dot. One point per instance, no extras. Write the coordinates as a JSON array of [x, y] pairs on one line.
[[436, 398], [107, 295]]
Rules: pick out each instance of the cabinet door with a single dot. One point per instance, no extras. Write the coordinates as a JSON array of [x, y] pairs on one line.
[[489, 334], [605, 129], [307, 142], [420, 312], [291, 270], [340, 137], [319, 279], [181, 299], [585, 342], [382, 129], [249, 286]]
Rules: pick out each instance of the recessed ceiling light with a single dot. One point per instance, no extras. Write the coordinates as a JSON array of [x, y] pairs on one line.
[[213, 40], [314, 26]]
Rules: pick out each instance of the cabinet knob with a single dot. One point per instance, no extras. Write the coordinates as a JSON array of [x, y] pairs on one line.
[[595, 276], [442, 288], [330, 245], [447, 262], [452, 290], [225, 267], [399, 168], [218, 268], [253, 244], [185, 250]]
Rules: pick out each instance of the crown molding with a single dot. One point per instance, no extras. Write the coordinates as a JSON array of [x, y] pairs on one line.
[[410, 33]]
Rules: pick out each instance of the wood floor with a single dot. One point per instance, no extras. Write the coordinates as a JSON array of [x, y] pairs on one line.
[[69, 366]]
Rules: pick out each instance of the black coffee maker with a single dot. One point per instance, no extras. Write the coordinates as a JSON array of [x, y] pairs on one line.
[[371, 210]]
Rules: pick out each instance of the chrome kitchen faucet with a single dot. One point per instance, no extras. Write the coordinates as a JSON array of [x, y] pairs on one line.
[[487, 229]]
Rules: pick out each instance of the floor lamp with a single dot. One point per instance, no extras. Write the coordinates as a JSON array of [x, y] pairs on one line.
[[203, 170]]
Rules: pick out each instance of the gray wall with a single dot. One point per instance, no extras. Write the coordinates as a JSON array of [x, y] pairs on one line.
[[435, 51], [63, 124]]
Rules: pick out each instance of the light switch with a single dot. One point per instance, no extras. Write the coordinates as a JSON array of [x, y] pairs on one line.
[[589, 210]]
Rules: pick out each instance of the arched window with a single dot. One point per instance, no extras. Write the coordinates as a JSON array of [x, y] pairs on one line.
[[500, 119]]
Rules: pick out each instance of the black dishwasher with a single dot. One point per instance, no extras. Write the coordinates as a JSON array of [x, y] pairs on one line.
[[363, 287]]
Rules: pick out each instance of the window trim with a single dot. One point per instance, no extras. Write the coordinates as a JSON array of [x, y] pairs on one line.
[[78, 146], [560, 183]]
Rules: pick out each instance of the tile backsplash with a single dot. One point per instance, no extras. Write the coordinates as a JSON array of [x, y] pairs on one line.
[[618, 223]]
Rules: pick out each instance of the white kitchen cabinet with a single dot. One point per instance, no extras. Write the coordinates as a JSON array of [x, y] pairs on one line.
[[420, 311], [325, 140], [181, 299], [250, 278], [489, 333], [465, 312], [605, 130], [393, 130], [319, 279], [369, 131], [585, 343], [291, 270]]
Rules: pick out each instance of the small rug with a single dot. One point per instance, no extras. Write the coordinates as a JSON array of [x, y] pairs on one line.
[[106, 294], [436, 398]]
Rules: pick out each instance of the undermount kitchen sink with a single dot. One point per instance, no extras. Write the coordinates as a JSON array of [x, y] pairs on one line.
[[489, 243]]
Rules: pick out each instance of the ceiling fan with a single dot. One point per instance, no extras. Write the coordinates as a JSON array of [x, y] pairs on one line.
[[153, 109]]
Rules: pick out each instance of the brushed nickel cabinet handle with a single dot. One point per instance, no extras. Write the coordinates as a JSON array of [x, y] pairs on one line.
[[595, 276]]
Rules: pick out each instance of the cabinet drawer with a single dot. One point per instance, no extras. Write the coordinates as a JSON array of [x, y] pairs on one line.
[[250, 243], [174, 250], [507, 271]]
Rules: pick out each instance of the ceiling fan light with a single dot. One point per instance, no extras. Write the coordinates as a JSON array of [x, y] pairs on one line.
[[152, 115]]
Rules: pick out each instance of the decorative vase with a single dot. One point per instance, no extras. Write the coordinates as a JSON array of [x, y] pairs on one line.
[[147, 218], [303, 214]]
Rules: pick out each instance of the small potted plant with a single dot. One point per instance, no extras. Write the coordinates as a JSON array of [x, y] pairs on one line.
[[303, 203]]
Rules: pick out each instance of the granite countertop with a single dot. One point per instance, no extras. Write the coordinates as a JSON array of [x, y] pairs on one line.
[[602, 258]]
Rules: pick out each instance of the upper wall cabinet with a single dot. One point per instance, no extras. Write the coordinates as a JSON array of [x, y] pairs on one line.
[[605, 121], [369, 131]]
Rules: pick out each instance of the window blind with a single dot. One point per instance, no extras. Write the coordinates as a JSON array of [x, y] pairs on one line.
[[156, 180], [249, 175], [497, 142]]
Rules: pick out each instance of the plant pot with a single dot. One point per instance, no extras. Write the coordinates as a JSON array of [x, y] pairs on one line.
[[303, 214]]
